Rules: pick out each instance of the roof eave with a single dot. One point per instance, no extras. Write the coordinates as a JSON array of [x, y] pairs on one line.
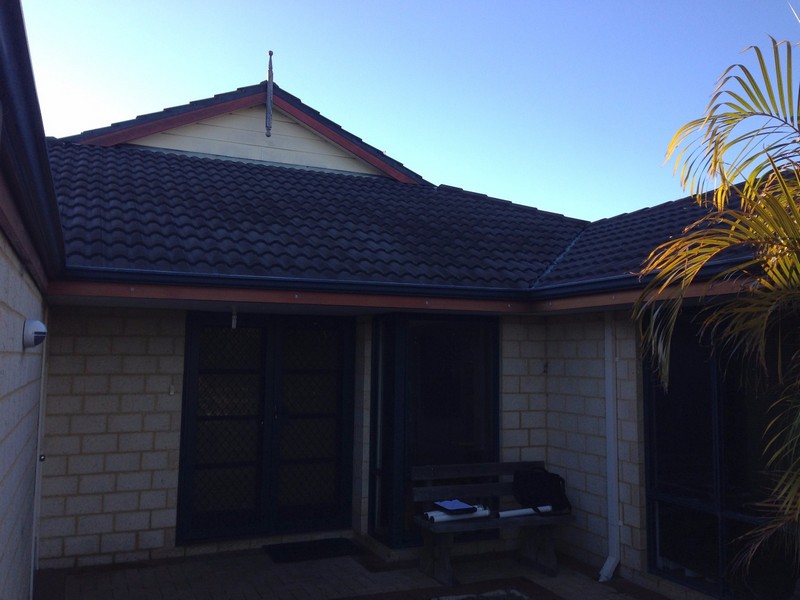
[[624, 290], [169, 278], [23, 153]]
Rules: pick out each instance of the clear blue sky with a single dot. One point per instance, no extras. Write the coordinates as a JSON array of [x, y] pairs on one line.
[[565, 105]]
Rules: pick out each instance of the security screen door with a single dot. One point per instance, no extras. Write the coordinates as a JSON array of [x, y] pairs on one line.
[[267, 427], [436, 402]]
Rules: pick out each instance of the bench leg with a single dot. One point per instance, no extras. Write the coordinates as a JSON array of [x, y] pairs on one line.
[[538, 548], [435, 558]]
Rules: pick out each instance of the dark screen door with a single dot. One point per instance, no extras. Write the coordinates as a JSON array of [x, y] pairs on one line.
[[267, 427], [308, 440]]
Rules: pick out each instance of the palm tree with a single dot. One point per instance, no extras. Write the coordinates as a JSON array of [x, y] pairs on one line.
[[746, 148]]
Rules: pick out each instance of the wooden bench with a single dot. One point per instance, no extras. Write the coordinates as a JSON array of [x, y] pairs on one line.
[[489, 484]]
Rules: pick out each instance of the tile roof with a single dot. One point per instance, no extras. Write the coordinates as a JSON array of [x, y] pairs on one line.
[[129, 212], [613, 250]]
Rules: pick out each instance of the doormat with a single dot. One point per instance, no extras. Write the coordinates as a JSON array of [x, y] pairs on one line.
[[376, 564], [312, 550], [513, 588]]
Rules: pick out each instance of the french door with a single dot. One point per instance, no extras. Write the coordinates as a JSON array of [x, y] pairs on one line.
[[267, 426]]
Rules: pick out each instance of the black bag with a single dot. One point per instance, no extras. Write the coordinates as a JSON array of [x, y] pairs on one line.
[[537, 487]]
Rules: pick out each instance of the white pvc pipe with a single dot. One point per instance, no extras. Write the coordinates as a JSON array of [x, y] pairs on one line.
[[524, 512], [612, 451], [37, 486]]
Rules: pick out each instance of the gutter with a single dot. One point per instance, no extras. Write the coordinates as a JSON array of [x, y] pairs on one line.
[[536, 299], [614, 283], [356, 287]]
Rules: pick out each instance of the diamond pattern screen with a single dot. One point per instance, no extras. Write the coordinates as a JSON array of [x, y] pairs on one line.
[[267, 438], [310, 428], [228, 420]]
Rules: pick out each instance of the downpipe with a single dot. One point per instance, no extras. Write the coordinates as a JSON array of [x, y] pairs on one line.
[[612, 449]]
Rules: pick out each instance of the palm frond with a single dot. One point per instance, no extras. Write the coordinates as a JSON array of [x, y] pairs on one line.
[[750, 121], [746, 147], [762, 243]]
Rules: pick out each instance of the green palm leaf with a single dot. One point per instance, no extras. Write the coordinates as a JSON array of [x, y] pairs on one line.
[[747, 148], [749, 119]]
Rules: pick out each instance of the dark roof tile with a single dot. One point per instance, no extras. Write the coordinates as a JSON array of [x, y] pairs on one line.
[[151, 213], [617, 247]]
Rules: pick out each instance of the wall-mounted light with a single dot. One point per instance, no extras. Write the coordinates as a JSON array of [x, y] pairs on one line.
[[33, 333]]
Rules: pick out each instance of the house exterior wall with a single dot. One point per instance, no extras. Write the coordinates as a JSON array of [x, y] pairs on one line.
[[553, 408], [241, 134], [523, 387], [112, 432], [20, 393], [112, 438]]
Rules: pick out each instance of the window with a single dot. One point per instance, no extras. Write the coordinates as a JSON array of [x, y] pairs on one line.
[[705, 469]]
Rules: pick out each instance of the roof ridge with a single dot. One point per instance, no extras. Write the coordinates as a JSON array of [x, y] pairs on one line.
[[551, 267]]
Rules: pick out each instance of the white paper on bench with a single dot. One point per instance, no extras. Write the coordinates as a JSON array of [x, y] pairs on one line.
[[521, 512], [438, 516]]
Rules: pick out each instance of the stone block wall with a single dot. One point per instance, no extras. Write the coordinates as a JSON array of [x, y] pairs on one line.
[[109, 486], [112, 434], [576, 427], [553, 408], [20, 394], [630, 446], [523, 398]]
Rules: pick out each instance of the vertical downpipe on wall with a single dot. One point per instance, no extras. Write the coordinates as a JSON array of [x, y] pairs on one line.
[[612, 470], [37, 486]]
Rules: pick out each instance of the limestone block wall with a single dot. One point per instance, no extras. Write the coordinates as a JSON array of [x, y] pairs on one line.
[[112, 438], [113, 408], [576, 427], [112, 433], [523, 397], [553, 408], [630, 446], [20, 392]]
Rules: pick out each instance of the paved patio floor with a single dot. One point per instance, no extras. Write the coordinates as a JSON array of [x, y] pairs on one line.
[[253, 575]]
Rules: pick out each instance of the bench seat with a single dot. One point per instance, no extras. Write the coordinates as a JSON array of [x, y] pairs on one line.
[[483, 483]]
